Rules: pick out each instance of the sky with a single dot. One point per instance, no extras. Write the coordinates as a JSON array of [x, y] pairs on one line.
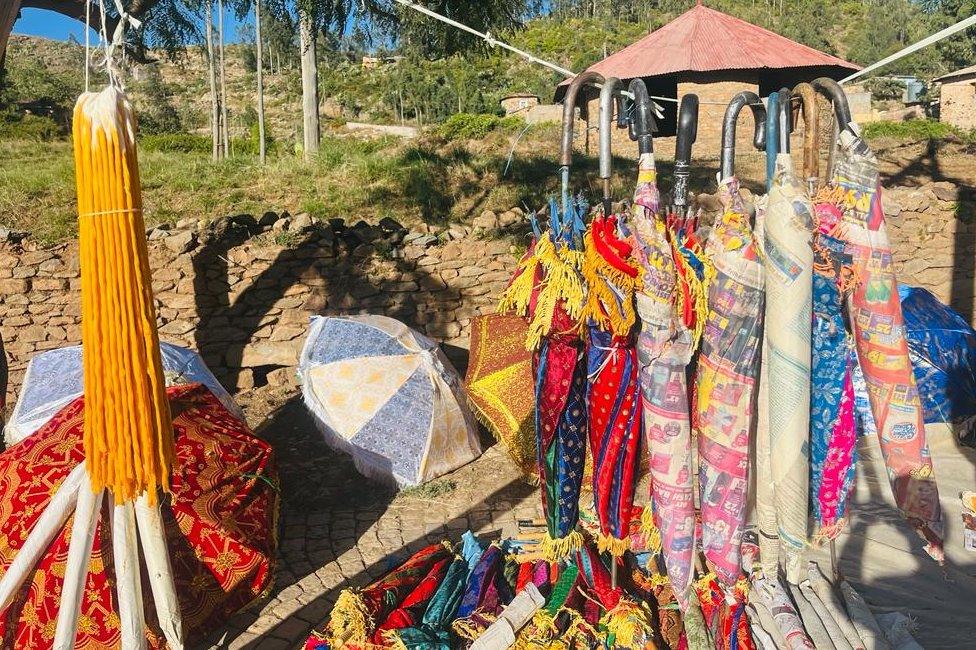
[[40, 22]]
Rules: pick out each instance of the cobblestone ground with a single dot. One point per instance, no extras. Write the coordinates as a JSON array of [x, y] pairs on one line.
[[339, 529]]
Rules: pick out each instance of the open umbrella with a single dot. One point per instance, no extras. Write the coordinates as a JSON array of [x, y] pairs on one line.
[[788, 262], [386, 394], [499, 384], [664, 349], [879, 330], [612, 393], [726, 374], [217, 532], [549, 289]]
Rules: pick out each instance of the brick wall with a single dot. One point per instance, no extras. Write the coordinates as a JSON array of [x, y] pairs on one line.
[[958, 103]]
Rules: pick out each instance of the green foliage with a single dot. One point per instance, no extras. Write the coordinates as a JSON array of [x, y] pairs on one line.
[[914, 130], [468, 126], [176, 143], [431, 490], [28, 127], [884, 88]]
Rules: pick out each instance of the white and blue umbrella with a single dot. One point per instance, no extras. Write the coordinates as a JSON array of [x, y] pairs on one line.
[[387, 395]]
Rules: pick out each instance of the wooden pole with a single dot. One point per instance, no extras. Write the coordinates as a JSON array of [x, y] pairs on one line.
[[214, 106], [257, 31], [223, 82]]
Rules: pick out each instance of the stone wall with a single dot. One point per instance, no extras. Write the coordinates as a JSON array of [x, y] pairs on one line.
[[958, 102], [242, 293]]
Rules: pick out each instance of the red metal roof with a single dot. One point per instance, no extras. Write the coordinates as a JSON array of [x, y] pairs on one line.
[[702, 40]]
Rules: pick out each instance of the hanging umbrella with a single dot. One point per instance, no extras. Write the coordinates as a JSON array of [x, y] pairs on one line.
[[223, 496], [612, 397], [664, 349], [549, 289], [876, 317], [788, 262], [726, 374], [499, 385], [386, 395], [53, 380]]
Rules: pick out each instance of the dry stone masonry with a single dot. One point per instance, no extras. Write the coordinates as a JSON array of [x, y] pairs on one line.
[[241, 290]]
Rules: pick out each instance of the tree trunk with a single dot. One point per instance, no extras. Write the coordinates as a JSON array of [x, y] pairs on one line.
[[214, 104], [257, 38], [310, 91], [223, 83], [8, 14]]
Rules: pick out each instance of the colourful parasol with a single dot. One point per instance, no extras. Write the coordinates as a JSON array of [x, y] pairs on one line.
[[223, 497], [612, 396], [499, 385], [549, 289], [788, 257], [727, 372], [664, 350], [879, 330]]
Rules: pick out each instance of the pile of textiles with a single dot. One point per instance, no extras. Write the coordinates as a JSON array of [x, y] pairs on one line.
[[498, 595]]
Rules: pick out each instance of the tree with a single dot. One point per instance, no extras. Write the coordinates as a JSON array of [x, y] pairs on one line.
[[260, 70], [223, 80], [310, 81], [8, 14], [212, 73]]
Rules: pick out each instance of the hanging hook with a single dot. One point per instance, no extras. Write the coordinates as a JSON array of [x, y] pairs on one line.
[[811, 132], [642, 124], [612, 90], [687, 134], [745, 98]]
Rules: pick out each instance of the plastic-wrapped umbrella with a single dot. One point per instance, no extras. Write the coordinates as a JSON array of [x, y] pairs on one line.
[[664, 350], [879, 329], [612, 393], [788, 258], [726, 374], [549, 289]]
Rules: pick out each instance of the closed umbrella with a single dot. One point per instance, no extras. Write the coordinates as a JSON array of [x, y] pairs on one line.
[[498, 383], [664, 351], [612, 394], [549, 289], [726, 374], [879, 330], [788, 262]]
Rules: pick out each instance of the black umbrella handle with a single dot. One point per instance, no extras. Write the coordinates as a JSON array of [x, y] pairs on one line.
[[842, 110], [785, 119], [687, 134], [745, 98], [642, 125], [609, 97], [569, 112]]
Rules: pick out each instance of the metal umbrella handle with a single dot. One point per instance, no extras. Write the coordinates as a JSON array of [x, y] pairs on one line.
[[811, 133], [642, 124], [842, 110], [612, 90], [772, 137], [687, 134], [569, 117], [785, 119], [743, 99]]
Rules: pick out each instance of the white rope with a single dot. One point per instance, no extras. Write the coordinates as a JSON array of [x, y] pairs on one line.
[[915, 47]]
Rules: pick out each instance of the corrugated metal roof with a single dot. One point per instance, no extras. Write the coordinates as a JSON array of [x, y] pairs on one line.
[[958, 73], [705, 40]]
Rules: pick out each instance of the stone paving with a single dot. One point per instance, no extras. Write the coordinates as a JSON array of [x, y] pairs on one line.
[[339, 529]]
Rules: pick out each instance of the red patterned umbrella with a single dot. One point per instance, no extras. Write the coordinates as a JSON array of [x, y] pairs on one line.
[[220, 526]]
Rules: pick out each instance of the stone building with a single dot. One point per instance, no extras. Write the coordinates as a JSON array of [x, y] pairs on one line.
[[715, 56], [957, 101], [518, 103]]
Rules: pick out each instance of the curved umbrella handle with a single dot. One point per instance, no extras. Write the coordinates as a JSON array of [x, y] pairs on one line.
[[745, 98], [785, 119], [569, 106], [612, 89], [687, 134], [642, 125], [811, 131], [847, 130], [772, 137]]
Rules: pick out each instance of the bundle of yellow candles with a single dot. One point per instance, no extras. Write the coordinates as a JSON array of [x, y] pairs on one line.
[[128, 436]]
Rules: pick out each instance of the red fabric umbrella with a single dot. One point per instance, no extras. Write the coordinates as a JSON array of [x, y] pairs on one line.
[[220, 522]]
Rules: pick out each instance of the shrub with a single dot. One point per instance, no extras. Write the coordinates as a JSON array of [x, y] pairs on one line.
[[38, 128], [176, 142], [472, 126], [913, 130], [883, 88]]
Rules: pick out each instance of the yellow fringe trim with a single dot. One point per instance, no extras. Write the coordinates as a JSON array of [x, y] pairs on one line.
[[350, 621], [602, 305], [542, 633], [467, 629], [518, 295], [392, 639], [827, 533], [698, 289], [557, 549], [613, 545], [629, 623], [703, 583], [649, 530]]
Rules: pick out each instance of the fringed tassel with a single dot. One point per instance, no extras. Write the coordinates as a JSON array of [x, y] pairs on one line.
[[562, 284], [538, 634], [610, 307], [615, 546], [557, 549], [518, 296], [628, 625], [391, 639], [471, 628], [649, 531], [350, 621]]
